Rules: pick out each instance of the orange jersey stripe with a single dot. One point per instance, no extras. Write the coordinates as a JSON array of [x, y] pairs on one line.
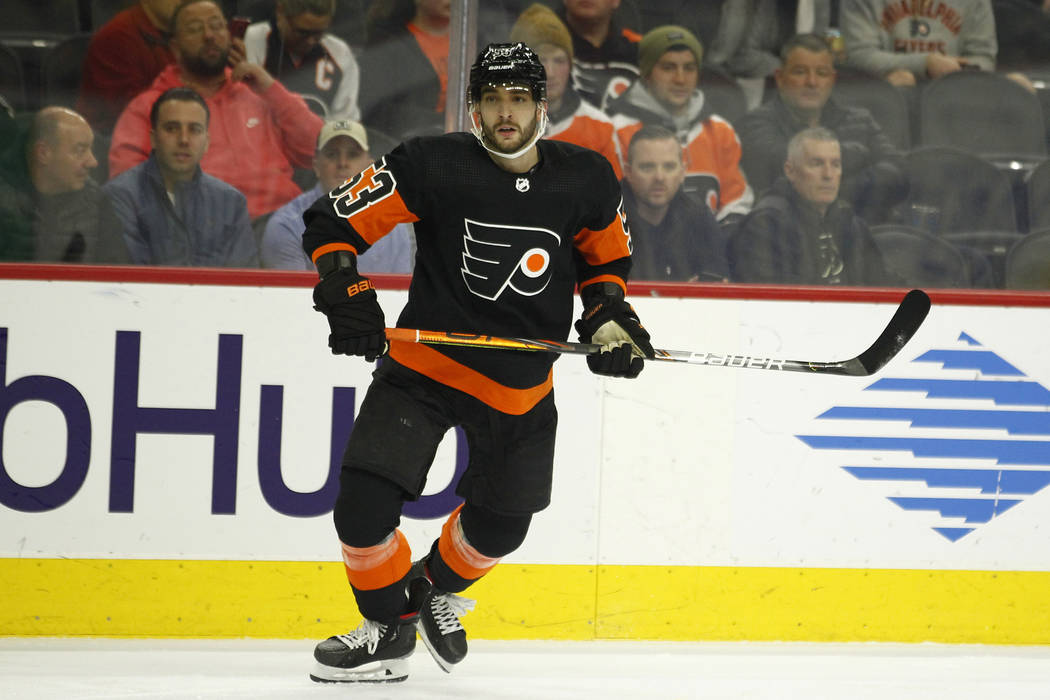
[[331, 248], [610, 243], [371, 203], [604, 278], [431, 363], [460, 556], [369, 568]]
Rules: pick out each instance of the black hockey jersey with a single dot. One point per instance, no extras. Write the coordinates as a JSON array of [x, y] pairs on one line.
[[496, 252]]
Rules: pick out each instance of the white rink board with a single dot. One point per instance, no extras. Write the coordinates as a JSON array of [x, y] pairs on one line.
[[683, 466]]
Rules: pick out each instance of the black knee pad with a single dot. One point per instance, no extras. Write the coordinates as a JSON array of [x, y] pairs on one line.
[[493, 534], [367, 509]]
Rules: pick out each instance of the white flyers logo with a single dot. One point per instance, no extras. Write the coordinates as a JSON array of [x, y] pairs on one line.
[[496, 257]]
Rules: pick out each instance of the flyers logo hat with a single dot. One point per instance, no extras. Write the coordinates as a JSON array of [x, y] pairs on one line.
[[498, 257]]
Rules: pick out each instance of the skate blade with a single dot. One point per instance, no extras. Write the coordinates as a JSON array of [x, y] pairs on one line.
[[442, 664], [389, 671]]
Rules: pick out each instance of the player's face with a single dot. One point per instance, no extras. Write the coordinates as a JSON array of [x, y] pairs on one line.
[[674, 79], [201, 42], [558, 66], [303, 32], [655, 171], [180, 138], [806, 79], [339, 160], [816, 173], [508, 116]]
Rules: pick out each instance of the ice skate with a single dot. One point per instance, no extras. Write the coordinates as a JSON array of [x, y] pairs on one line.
[[438, 622], [372, 653]]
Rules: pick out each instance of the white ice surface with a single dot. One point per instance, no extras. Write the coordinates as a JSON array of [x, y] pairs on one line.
[[85, 669]]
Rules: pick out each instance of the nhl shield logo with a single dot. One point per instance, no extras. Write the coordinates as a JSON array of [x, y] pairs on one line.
[[522, 184]]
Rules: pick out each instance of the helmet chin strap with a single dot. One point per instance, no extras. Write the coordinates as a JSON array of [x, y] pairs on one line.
[[479, 133]]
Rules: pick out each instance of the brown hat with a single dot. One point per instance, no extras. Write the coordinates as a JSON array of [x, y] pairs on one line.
[[657, 41], [539, 25]]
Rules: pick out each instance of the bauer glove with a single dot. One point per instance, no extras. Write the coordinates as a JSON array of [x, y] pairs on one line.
[[350, 303], [610, 321]]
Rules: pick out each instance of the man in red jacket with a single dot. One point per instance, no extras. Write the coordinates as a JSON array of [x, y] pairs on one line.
[[259, 131], [123, 58]]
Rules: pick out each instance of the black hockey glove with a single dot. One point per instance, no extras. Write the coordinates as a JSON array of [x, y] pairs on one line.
[[349, 301], [610, 321]]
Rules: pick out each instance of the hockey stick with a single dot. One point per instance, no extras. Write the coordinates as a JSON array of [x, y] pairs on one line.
[[902, 326]]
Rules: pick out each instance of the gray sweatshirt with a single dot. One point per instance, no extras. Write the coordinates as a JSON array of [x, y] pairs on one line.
[[884, 35]]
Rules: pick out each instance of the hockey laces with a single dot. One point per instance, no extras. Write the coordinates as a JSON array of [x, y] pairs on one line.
[[447, 609], [367, 634]]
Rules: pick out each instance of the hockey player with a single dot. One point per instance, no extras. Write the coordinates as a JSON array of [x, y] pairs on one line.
[[507, 227]]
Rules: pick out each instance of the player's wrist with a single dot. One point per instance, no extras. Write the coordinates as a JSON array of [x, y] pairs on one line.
[[338, 260]]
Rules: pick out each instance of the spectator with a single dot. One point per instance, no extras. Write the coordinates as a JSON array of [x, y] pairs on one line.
[[409, 38], [800, 232], [296, 48], [123, 58], [872, 176], [571, 119], [907, 43], [342, 152], [258, 132], [676, 237], [766, 25], [605, 55], [50, 208], [667, 94], [171, 212]]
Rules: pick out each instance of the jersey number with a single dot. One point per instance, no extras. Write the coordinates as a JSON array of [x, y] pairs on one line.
[[363, 190]]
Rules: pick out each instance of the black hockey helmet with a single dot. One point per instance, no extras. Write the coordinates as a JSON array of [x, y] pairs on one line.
[[506, 64]]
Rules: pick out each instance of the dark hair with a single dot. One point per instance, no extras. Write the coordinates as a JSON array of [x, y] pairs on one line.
[[810, 42], [182, 94], [187, 3], [649, 132]]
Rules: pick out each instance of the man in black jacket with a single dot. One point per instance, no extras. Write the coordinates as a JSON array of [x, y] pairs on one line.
[[872, 177], [676, 237], [801, 232]]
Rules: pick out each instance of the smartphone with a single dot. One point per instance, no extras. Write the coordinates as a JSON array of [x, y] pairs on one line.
[[238, 26]]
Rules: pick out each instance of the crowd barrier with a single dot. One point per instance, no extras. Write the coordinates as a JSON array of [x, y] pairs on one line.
[[170, 442]]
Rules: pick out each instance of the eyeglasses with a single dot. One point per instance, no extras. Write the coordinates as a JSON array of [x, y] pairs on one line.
[[196, 28]]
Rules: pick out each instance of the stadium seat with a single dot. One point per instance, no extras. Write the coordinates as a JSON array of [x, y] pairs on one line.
[[1037, 189], [35, 18], [987, 251], [61, 69], [1028, 262], [12, 83], [921, 259], [887, 104], [984, 113], [726, 97], [968, 192]]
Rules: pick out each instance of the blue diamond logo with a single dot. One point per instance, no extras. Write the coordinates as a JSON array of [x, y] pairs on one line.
[[977, 430]]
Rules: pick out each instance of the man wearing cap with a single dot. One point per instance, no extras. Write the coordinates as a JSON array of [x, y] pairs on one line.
[[571, 119], [667, 94], [171, 212], [342, 152]]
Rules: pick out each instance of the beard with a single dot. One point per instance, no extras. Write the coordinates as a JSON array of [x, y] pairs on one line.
[[489, 133], [204, 67]]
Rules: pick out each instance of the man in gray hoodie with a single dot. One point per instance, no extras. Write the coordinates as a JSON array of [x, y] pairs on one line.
[[909, 41]]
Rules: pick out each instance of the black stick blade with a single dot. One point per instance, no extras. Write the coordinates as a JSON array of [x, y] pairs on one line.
[[905, 322]]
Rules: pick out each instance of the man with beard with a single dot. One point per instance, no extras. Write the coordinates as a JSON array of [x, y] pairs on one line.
[[507, 226], [259, 131]]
